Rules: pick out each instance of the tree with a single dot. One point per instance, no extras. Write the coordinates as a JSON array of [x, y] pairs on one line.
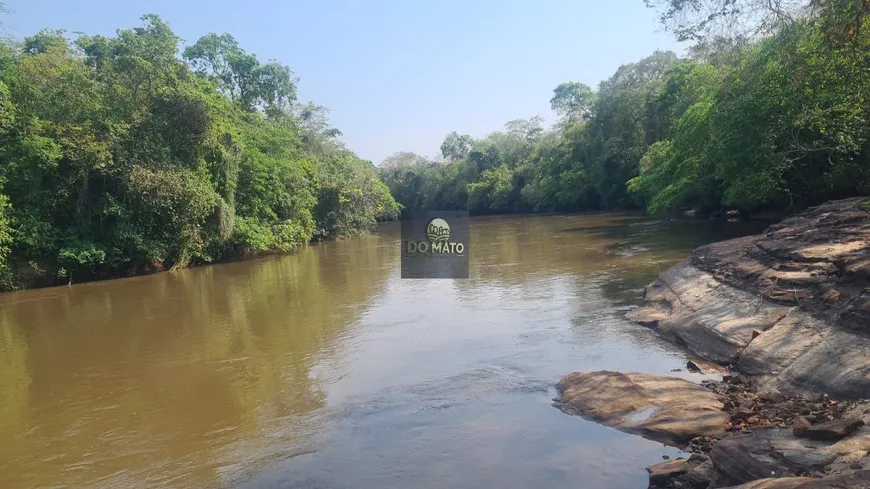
[[45, 40], [317, 134], [770, 110], [573, 101], [403, 159], [456, 146], [525, 130], [240, 75], [745, 19], [492, 193], [117, 158], [403, 174], [351, 196]]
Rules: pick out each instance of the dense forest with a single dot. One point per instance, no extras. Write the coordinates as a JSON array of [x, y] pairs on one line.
[[127, 154], [768, 110], [122, 155]]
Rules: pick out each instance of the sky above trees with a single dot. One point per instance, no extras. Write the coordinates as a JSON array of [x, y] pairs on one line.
[[400, 76]]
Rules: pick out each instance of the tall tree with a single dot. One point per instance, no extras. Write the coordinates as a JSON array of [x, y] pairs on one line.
[[318, 135], [573, 101], [456, 146], [525, 130], [744, 19], [240, 75]]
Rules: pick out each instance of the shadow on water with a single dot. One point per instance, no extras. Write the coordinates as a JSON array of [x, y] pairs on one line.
[[142, 379]]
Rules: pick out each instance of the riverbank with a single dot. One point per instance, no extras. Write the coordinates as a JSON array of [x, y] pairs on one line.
[[789, 307], [785, 314], [732, 435]]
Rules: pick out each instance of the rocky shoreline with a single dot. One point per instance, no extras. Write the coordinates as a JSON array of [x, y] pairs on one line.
[[787, 316]]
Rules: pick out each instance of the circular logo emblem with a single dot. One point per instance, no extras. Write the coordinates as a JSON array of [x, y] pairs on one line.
[[438, 231]]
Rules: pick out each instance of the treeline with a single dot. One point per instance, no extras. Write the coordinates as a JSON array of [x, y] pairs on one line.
[[773, 116], [120, 155]]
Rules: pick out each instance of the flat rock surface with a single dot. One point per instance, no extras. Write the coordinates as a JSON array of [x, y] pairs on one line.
[[646, 316], [789, 307], [778, 453], [835, 429], [858, 480], [659, 474], [665, 409], [784, 483], [714, 322]]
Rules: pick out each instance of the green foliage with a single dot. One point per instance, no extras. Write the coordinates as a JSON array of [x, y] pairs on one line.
[[773, 116], [352, 198], [488, 178], [784, 126], [675, 170], [117, 158], [240, 75], [573, 101], [456, 146], [492, 192], [7, 281]]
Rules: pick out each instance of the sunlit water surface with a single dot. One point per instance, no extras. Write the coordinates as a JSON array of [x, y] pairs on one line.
[[325, 369]]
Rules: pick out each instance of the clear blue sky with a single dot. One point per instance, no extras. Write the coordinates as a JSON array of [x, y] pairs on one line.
[[399, 75]]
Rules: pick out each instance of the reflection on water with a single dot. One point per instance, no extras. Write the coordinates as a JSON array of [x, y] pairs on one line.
[[325, 369]]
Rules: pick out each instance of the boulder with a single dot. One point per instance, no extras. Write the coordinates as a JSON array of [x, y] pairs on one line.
[[778, 453], [695, 473], [831, 430], [665, 409], [699, 476], [660, 474]]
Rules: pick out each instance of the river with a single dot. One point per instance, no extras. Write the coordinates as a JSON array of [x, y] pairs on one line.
[[324, 369]]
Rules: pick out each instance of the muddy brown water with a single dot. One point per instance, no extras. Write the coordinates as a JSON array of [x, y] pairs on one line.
[[325, 369]]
